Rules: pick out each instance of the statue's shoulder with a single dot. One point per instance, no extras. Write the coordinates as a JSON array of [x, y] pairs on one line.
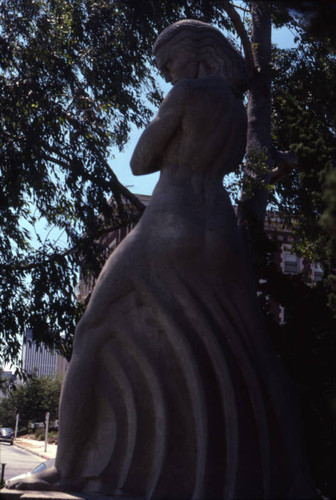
[[177, 95], [213, 83], [191, 90]]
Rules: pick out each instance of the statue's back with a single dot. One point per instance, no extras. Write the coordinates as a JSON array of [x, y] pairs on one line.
[[212, 134]]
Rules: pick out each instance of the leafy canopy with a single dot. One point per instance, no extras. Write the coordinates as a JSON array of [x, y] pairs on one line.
[[73, 77], [31, 401]]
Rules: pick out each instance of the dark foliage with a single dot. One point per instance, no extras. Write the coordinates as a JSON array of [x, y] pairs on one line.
[[73, 77], [304, 100], [303, 121]]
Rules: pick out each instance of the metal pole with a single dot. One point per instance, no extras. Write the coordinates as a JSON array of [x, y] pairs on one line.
[[16, 425], [2, 473], [46, 430]]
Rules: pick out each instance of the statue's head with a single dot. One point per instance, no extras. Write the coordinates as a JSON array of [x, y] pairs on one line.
[[193, 49]]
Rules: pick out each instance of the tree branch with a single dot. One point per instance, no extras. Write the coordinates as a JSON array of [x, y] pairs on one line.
[[286, 161], [242, 33], [23, 266], [122, 189], [55, 160], [240, 8], [116, 183]]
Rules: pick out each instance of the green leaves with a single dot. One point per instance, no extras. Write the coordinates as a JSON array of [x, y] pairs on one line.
[[31, 400], [73, 77], [304, 122], [55, 119]]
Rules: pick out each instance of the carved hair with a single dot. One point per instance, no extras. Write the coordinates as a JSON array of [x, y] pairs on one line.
[[210, 47]]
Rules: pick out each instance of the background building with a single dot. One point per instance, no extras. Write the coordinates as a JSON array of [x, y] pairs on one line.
[[40, 361], [286, 260]]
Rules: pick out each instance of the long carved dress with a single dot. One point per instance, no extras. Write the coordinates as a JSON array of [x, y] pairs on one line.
[[185, 397]]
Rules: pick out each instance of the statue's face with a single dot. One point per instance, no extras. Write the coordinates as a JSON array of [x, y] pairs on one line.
[[176, 62]]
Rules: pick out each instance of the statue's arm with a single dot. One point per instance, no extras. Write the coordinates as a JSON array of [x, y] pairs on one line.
[[158, 133]]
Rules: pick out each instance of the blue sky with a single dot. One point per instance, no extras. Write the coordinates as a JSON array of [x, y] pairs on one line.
[[145, 184]]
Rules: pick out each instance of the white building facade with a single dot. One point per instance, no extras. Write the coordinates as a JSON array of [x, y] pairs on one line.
[[40, 361]]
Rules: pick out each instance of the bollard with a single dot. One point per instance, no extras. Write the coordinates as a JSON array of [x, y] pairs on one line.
[[46, 430], [2, 473]]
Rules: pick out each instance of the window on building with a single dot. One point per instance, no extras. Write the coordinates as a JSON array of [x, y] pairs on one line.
[[282, 315], [317, 272], [291, 262]]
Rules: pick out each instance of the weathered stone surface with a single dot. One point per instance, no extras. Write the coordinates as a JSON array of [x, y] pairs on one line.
[[6, 494], [174, 390]]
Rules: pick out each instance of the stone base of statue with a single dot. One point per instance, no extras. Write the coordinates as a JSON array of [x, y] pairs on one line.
[[6, 494]]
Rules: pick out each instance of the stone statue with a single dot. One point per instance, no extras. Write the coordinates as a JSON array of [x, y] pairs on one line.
[[173, 390]]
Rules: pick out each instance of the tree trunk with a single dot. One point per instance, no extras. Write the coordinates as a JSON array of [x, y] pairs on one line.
[[259, 164]]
